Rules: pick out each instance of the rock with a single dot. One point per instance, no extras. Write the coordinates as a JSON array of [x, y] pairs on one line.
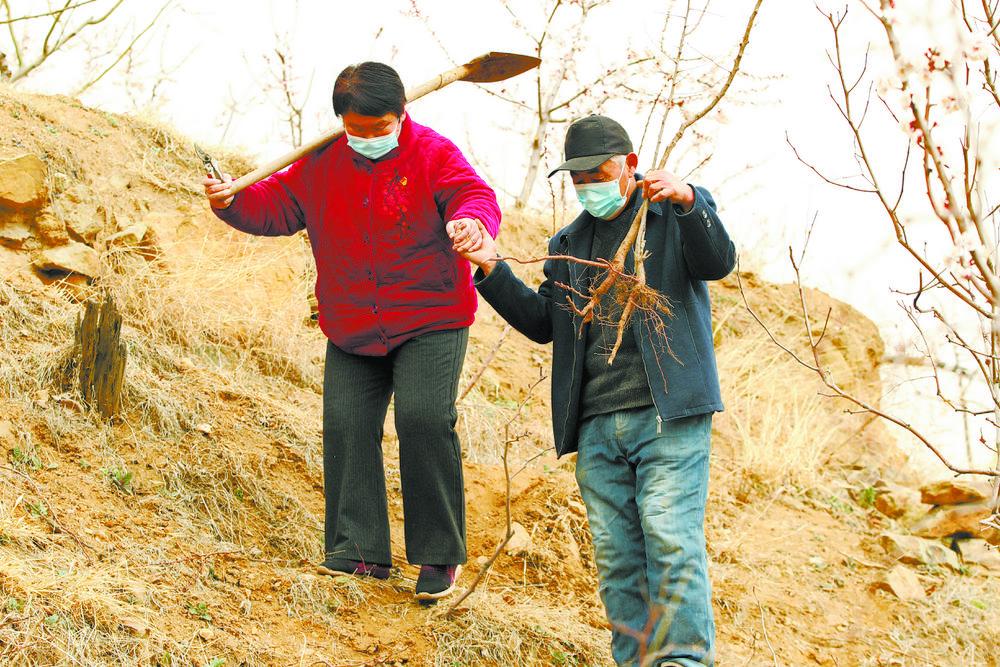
[[118, 181], [67, 401], [864, 476], [84, 230], [15, 235], [519, 542], [901, 582], [6, 431], [897, 501], [60, 182], [51, 230], [71, 258], [208, 634], [953, 520], [205, 429], [22, 183], [76, 193], [918, 551], [131, 235], [953, 492], [980, 552], [136, 627]]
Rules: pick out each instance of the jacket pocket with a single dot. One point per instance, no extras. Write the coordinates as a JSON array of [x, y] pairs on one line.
[[691, 334]]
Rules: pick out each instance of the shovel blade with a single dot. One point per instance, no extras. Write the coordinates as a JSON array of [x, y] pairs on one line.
[[498, 66]]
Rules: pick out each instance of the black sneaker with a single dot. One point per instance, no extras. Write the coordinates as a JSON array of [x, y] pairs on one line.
[[334, 567], [436, 581]]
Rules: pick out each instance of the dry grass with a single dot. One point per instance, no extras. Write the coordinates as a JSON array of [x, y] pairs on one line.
[[322, 598], [781, 430], [959, 624], [495, 632], [58, 607]]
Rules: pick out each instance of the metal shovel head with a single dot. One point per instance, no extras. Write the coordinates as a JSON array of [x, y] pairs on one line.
[[498, 66]]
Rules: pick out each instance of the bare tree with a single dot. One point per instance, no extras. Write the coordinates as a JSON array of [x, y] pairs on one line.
[[38, 36], [285, 84], [941, 98], [662, 80], [127, 51], [510, 439], [146, 86], [281, 83], [560, 91]]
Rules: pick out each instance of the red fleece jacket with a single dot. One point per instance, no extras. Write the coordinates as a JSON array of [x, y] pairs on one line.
[[385, 268]]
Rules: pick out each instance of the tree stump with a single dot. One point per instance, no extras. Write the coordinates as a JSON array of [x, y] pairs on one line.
[[101, 356]]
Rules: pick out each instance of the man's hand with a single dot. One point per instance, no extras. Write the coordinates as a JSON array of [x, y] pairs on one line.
[[485, 255], [218, 192], [660, 185], [466, 235]]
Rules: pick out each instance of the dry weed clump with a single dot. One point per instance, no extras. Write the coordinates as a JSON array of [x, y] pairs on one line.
[[560, 556], [223, 305], [528, 632], [233, 497], [58, 605], [480, 416], [320, 598], [780, 432], [961, 621]]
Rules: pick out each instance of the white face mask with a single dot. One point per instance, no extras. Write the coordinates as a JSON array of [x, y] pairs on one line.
[[375, 147], [601, 200]]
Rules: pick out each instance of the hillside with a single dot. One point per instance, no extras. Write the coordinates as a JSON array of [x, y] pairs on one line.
[[185, 533]]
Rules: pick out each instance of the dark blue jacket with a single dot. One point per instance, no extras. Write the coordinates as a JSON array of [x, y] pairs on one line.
[[685, 250]]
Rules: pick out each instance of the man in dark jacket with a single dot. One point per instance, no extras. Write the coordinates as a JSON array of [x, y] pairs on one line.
[[641, 425]]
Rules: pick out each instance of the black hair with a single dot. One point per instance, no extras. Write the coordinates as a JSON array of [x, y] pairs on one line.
[[369, 89]]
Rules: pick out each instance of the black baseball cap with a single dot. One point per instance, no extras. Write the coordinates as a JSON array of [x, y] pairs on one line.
[[591, 141]]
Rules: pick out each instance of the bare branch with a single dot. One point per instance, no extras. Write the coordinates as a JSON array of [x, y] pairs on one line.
[[12, 19], [827, 380], [127, 50], [64, 38], [489, 359], [508, 441], [721, 93]]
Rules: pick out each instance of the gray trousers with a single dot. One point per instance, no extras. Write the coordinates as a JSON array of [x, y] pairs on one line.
[[423, 374]]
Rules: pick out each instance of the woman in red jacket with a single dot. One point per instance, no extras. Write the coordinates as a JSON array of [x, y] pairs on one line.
[[395, 302]]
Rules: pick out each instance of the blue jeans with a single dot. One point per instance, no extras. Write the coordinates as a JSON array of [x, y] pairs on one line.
[[645, 496]]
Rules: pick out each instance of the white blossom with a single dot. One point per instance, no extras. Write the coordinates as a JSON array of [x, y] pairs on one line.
[[976, 50], [959, 258]]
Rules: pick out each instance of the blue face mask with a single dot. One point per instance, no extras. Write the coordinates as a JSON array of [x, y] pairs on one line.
[[601, 200], [375, 147]]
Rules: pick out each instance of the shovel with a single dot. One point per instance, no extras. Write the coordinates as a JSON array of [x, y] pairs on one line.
[[493, 66]]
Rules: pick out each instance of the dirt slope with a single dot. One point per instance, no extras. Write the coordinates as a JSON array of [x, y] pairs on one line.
[[185, 534]]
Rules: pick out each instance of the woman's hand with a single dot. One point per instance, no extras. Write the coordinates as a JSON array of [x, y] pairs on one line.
[[218, 192], [485, 256], [466, 235]]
